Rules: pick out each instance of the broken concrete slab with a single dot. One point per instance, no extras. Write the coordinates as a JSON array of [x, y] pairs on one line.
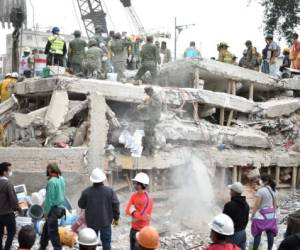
[[278, 108], [112, 117], [8, 105], [57, 111], [74, 108], [207, 133], [97, 131], [35, 86]]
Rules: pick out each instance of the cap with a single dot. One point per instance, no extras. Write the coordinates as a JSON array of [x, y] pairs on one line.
[[237, 187]]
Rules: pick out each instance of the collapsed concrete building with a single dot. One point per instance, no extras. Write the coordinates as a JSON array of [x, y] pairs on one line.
[[235, 120]]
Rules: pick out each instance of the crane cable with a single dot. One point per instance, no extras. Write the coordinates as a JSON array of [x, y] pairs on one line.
[[76, 16], [109, 16]]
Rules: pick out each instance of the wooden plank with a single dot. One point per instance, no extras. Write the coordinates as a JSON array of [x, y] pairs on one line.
[[222, 116], [277, 175], [251, 91], [294, 177]]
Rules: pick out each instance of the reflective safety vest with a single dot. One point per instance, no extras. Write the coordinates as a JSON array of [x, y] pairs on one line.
[[57, 45], [228, 57]]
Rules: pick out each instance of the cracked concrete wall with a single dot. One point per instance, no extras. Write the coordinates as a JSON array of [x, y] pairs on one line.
[[97, 131]]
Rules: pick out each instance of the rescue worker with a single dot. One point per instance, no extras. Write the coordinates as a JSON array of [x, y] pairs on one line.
[[76, 53], [92, 62], [53, 207], [139, 207], [165, 53], [148, 239], [7, 85], [119, 53], [98, 36], [221, 228], [272, 52], [135, 50], [8, 205], [238, 210], [87, 239], [224, 55], [26, 64], [250, 57], [295, 52], [102, 207], [56, 49], [192, 52], [157, 44], [286, 62], [150, 112], [149, 59], [26, 237]]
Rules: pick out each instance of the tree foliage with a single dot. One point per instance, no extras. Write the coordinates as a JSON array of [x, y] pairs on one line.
[[281, 17]]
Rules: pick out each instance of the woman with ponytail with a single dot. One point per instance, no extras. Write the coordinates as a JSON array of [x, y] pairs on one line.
[[264, 212]]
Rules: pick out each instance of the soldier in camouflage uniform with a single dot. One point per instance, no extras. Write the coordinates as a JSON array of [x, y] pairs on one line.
[[76, 53], [250, 58], [165, 52], [149, 60], [92, 61], [119, 52], [151, 112], [98, 36]]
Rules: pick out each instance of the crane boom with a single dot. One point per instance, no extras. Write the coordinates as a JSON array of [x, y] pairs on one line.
[[6, 7]]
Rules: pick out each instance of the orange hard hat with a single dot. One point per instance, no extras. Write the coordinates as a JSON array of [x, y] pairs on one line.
[[148, 237]]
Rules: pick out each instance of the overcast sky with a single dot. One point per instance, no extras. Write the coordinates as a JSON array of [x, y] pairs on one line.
[[232, 21]]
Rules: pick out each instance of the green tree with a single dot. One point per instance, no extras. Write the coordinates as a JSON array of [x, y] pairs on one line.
[[281, 17]]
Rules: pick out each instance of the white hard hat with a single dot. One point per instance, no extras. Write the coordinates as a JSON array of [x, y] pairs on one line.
[[15, 75], [8, 75], [142, 178], [222, 224], [237, 187], [97, 176], [27, 49], [87, 237]]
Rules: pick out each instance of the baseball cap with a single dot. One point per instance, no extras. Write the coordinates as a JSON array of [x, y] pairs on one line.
[[237, 187]]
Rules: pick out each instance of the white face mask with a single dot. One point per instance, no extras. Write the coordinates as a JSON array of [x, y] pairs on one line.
[[10, 173]]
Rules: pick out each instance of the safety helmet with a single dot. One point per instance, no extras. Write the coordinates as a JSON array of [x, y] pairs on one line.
[[223, 44], [92, 42], [8, 75], [148, 237], [77, 33], [248, 42], [222, 224], [286, 50], [27, 50], [55, 30], [269, 36], [15, 75], [97, 176], [142, 178], [87, 237]]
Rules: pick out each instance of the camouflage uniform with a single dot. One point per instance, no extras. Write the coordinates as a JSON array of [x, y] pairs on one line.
[[250, 59], [76, 54], [149, 59], [119, 52], [92, 62], [151, 111]]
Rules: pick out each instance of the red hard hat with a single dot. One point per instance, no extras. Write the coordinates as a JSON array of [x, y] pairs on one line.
[[148, 237]]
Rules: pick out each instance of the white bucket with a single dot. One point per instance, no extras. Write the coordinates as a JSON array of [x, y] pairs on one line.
[[39, 64], [112, 77]]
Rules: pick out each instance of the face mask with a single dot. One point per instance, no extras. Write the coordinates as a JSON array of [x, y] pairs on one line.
[[10, 173]]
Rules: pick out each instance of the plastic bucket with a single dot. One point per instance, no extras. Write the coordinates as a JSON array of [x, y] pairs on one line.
[[39, 64], [36, 212], [112, 77], [67, 237], [37, 199]]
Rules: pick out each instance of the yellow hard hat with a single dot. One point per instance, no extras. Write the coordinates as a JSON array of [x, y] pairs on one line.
[[287, 50]]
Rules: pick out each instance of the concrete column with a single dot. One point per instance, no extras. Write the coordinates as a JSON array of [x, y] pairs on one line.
[[97, 131]]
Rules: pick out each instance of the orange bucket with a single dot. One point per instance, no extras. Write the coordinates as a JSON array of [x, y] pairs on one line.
[[67, 237]]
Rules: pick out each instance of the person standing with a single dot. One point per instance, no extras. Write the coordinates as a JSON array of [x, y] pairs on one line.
[[7, 85], [8, 205], [250, 57], [139, 208], [76, 53], [165, 53], [93, 61], [286, 62], [149, 59], [119, 52], [295, 52], [53, 207], [102, 207], [56, 49], [264, 213], [25, 64], [272, 51], [221, 228], [224, 55], [192, 52], [98, 36], [150, 112], [238, 210]]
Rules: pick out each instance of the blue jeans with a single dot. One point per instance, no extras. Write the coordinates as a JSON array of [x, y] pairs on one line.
[[133, 241], [50, 230], [105, 236], [257, 239], [239, 238]]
